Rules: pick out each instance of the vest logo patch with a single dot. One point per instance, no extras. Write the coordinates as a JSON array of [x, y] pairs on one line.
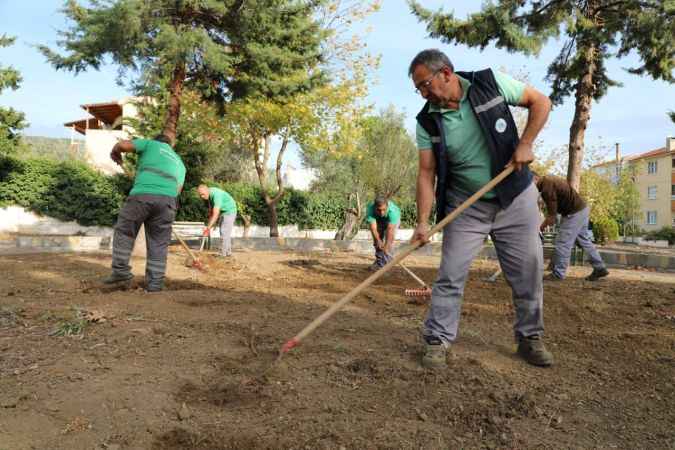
[[500, 125]]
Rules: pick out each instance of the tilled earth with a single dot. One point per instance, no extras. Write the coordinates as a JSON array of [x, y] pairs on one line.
[[83, 368]]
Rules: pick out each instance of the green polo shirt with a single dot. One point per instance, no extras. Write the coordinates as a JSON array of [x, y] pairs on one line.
[[220, 199], [159, 171], [470, 164], [393, 215]]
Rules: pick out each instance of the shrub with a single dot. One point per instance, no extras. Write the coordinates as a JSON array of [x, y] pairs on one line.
[[605, 230], [72, 190], [63, 190], [664, 234], [633, 230]]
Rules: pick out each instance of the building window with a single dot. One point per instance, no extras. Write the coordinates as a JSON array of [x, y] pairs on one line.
[[672, 191], [651, 193], [651, 217], [673, 163], [652, 166]]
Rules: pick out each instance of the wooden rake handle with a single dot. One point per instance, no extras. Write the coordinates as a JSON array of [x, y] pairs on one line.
[[395, 261], [185, 246], [412, 274]]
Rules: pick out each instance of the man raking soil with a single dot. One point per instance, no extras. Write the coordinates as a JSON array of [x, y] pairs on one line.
[[160, 174], [465, 136]]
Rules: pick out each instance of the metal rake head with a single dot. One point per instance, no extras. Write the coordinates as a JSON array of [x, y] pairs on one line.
[[418, 292]]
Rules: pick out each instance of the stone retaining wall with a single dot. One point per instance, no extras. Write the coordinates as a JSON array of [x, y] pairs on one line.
[[72, 244]]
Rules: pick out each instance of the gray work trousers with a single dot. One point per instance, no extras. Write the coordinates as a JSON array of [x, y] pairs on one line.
[[226, 226], [157, 212], [574, 228], [514, 231], [381, 257]]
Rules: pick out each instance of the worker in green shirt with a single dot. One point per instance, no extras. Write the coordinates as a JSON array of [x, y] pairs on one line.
[[466, 135], [160, 175], [223, 206], [383, 218]]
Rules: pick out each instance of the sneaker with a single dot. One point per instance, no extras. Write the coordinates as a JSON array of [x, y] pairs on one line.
[[435, 352], [532, 350], [116, 278], [597, 274], [552, 277]]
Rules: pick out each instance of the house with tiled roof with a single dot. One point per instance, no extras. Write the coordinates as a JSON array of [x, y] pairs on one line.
[[105, 123]]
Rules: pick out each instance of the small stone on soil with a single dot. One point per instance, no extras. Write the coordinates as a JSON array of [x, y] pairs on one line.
[[184, 413]]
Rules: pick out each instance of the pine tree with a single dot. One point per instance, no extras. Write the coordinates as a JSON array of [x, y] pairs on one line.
[[595, 30], [11, 120], [176, 40]]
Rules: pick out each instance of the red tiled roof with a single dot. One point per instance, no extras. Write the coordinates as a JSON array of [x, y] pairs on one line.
[[650, 154]]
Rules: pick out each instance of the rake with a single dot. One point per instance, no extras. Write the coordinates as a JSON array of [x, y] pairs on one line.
[[192, 261], [397, 260], [424, 291]]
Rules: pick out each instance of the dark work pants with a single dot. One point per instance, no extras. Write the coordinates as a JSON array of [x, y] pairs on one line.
[[157, 212]]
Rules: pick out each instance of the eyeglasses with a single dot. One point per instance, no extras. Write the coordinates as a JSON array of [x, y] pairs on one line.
[[424, 85]]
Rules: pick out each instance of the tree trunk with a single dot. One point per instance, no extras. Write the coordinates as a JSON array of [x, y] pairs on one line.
[[582, 114], [345, 233], [261, 169], [272, 215], [173, 112], [352, 218], [247, 224]]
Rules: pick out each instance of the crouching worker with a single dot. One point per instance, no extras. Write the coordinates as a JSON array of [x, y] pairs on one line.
[[383, 217], [223, 206], [160, 175], [561, 198]]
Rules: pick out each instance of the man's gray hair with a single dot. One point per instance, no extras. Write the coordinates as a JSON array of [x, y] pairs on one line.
[[433, 59], [380, 200]]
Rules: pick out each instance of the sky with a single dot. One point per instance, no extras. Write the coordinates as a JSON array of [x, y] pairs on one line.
[[633, 115]]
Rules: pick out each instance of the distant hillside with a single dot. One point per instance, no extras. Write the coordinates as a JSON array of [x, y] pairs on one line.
[[55, 148]]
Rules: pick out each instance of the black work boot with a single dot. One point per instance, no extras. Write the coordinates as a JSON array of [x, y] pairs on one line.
[[597, 274], [532, 350]]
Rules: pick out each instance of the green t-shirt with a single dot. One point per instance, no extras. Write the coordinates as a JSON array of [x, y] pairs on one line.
[[160, 171], [470, 165], [393, 215], [218, 198]]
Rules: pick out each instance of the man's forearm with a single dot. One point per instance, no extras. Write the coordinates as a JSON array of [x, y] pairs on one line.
[[536, 119], [212, 220], [425, 196], [373, 231]]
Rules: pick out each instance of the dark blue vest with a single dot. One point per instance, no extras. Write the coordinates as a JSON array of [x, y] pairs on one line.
[[499, 129]]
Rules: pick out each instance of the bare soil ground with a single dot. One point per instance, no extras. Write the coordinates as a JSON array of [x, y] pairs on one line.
[[181, 369]]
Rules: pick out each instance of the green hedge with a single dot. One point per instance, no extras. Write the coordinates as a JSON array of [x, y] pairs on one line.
[[73, 191], [63, 190]]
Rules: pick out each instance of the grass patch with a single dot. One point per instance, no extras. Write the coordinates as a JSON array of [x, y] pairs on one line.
[[71, 327]]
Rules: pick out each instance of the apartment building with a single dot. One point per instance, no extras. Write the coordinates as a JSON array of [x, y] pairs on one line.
[[654, 174]]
